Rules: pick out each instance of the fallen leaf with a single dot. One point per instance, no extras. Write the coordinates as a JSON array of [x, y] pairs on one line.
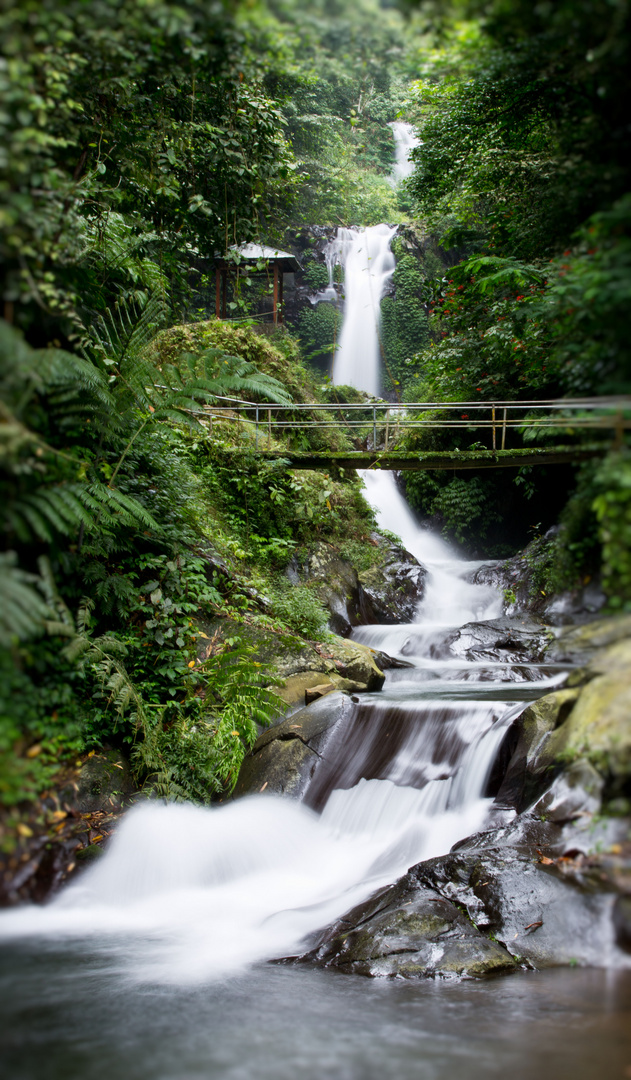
[[33, 751], [23, 830], [483, 883], [95, 839], [264, 785], [58, 815], [615, 849], [191, 663], [70, 867], [201, 634]]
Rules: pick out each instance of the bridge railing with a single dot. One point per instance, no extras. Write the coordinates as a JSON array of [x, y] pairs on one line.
[[386, 422]]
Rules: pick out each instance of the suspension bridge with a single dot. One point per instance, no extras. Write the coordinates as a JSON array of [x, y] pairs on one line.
[[382, 435]]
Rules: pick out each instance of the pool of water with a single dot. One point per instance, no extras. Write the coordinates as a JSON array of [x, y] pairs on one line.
[[75, 1015]]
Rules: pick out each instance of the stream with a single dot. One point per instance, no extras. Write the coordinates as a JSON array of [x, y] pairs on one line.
[[154, 964]]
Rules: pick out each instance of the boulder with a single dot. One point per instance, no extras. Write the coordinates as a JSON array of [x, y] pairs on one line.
[[493, 904], [407, 931], [579, 644], [392, 591], [517, 641], [283, 759], [519, 579], [389, 591], [301, 664]]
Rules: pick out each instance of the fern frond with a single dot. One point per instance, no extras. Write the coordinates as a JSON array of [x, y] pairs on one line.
[[61, 510], [120, 337], [22, 610]]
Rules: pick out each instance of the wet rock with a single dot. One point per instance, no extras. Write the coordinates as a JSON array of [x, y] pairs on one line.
[[622, 922], [519, 579], [391, 593], [388, 592], [577, 791], [337, 586], [283, 759], [579, 644], [315, 692], [494, 903], [508, 640], [528, 771], [598, 727], [408, 932]]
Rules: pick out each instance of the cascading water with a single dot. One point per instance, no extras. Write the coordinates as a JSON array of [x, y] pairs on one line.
[[404, 142], [186, 894], [368, 266]]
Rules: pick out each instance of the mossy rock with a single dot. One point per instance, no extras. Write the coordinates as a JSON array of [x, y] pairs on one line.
[[283, 759]]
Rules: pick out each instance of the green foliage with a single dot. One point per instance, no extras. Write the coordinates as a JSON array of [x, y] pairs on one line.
[[133, 136], [301, 610], [404, 330], [467, 509], [316, 275], [319, 329], [613, 510], [337, 73]]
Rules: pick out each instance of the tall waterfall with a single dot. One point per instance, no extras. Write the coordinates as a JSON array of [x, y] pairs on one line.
[[368, 266], [404, 142]]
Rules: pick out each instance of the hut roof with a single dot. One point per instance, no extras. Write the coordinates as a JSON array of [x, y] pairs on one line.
[[255, 252]]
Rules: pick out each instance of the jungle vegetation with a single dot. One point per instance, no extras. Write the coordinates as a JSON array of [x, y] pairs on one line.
[[140, 140]]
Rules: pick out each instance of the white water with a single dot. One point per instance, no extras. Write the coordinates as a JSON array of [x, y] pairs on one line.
[[404, 142], [368, 266], [449, 600], [188, 895]]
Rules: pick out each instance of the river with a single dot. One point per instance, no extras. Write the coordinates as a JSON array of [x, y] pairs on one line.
[[155, 964]]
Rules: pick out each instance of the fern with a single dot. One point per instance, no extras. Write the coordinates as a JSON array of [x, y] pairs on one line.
[[22, 610], [63, 509]]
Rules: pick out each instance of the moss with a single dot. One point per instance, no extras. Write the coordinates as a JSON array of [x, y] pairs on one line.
[[404, 327]]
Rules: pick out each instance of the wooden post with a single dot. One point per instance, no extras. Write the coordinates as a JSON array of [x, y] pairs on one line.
[[619, 439], [280, 296], [275, 293], [224, 275], [217, 293], [504, 430], [493, 421]]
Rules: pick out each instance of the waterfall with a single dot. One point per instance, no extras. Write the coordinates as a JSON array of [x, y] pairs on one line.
[[187, 894], [404, 142], [368, 266]]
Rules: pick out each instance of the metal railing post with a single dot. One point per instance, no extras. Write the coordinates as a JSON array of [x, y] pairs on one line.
[[256, 437], [374, 427], [493, 422], [269, 429], [504, 430], [385, 445]]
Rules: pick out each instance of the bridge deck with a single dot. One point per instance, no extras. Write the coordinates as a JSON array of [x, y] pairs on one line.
[[390, 460]]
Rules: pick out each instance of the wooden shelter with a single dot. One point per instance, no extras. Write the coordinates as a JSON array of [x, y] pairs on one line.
[[279, 262]]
